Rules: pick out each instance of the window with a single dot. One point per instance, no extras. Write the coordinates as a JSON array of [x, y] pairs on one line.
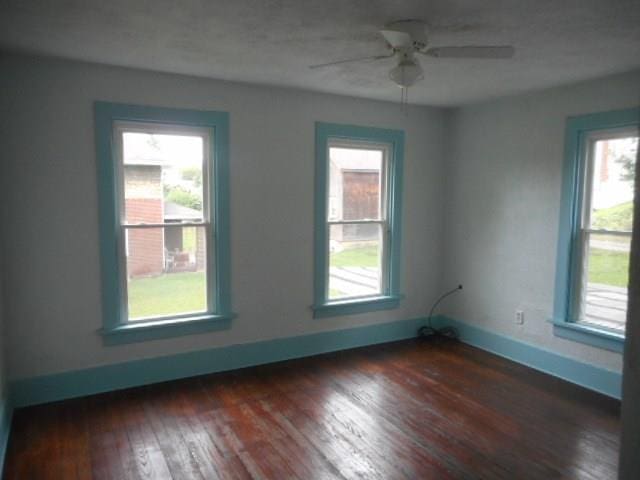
[[164, 216], [357, 244], [605, 230], [596, 227]]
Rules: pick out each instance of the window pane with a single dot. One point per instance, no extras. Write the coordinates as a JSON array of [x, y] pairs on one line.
[[162, 177], [355, 263], [355, 184], [614, 165], [166, 271], [607, 280]]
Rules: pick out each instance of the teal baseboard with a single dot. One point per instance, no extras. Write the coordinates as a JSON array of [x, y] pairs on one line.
[[49, 388], [595, 378], [6, 413]]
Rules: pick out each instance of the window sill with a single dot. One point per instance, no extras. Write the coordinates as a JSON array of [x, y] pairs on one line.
[[590, 335], [166, 328], [353, 306]]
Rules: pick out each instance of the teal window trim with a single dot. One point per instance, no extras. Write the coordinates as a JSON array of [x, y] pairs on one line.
[[115, 328], [591, 335], [568, 257], [325, 132]]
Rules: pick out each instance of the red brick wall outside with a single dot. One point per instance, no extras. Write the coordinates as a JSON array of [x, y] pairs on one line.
[[201, 250], [146, 246], [360, 200], [147, 210]]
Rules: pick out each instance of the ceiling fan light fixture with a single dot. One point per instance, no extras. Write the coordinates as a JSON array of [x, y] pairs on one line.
[[406, 73]]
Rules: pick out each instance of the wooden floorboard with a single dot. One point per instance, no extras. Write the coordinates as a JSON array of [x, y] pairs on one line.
[[409, 409]]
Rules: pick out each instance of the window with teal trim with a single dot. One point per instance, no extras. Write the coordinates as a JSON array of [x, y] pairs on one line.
[[357, 243], [163, 219], [596, 227]]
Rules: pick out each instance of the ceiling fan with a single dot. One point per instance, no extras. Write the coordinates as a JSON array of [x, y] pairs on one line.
[[406, 38]]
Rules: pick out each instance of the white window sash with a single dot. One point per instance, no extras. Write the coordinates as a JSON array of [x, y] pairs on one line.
[[356, 222], [382, 221], [585, 232], [165, 224], [617, 233], [141, 127]]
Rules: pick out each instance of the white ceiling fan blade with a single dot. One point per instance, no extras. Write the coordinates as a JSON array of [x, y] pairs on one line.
[[397, 39], [349, 60], [471, 52]]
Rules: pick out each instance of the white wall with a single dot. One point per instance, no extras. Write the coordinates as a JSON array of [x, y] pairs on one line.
[[630, 437], [52, 256], [501, 208], [3, 373], [3, 210]]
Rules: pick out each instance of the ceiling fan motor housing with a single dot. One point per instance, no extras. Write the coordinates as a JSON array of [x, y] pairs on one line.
[[416, 30]]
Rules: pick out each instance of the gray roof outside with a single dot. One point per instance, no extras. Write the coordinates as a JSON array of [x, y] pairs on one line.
[[173, 211]]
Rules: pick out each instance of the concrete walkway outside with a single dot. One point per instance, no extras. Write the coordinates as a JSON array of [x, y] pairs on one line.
[[354, 281], [606, 306]]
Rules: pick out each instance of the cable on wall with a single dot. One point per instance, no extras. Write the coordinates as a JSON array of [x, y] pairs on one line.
[[429, 331]]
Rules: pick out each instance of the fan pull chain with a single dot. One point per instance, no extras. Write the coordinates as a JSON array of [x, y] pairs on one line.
[[404, 100]]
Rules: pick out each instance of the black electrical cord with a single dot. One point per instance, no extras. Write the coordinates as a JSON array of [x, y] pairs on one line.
[[428, 331]]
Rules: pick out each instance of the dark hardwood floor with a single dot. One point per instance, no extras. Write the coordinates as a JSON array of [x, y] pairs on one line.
[[403, 410]]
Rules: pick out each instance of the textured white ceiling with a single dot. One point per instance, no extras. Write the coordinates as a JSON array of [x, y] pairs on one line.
[[273, 41]]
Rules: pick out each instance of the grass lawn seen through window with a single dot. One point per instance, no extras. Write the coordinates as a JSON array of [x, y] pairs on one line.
[[609, 267], [167, 294], [356, 257]]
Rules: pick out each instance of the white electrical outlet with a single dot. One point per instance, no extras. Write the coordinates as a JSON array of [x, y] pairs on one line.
[[519, 317]]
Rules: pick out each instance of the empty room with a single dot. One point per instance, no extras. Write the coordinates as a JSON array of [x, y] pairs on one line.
[[329, 239]]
